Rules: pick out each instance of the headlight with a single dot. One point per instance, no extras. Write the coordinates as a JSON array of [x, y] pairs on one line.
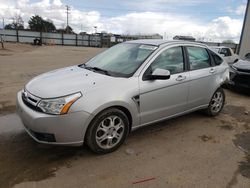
[[58, 105]]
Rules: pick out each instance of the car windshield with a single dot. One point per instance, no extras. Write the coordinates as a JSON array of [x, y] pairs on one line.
[[121, 60], [216, 49]]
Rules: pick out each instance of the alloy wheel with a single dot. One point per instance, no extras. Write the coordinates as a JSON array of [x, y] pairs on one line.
[[217, 102], [109, 132]]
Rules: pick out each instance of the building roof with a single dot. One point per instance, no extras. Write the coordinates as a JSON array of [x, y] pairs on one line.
[[180, 37]]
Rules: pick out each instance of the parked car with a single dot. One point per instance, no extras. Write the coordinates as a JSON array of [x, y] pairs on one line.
[[227, 53], [240, 75], [128, 86], [247, 57]]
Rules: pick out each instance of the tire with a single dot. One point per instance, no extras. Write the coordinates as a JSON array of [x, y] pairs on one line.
[[104, 135], [216, 103]]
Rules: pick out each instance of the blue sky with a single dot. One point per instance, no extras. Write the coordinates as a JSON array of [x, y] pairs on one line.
[[205, 9], [210, 19]]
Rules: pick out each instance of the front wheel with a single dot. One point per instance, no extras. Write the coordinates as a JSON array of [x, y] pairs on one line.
[[107, 131], [217, 102]]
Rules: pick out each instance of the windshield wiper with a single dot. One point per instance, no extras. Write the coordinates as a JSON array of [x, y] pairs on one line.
[[97, 69]]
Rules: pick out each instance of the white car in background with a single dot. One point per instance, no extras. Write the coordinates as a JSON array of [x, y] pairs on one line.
[[227, 53]]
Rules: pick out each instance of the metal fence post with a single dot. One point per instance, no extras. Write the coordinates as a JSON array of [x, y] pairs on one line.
[[17, 36], [101, 38], [76, 40], [88, 40], [41, 37], [62, 39]]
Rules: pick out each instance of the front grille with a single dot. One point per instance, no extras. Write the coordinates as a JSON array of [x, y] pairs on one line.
[[33, 100], [242, 79], [30, 101], [243, 70]]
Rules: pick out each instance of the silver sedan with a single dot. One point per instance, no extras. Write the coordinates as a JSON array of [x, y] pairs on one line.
[[128, 86]]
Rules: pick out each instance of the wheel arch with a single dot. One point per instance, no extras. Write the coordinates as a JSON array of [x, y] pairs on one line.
[[120, 107]]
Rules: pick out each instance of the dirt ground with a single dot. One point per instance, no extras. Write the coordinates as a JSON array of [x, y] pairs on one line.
[[21, 62], [189, 151]]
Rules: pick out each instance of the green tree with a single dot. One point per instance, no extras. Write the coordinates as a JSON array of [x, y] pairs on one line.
[[8, 26], [37, 23], [17, 23], [228, 41]]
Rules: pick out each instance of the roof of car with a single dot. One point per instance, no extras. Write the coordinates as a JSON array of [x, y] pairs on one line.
[[158, 42], [218, 47]]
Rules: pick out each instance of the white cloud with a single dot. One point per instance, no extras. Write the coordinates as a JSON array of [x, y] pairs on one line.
[[224, 28], [57, 2], [240, 10], [158, 4], [131, 23]]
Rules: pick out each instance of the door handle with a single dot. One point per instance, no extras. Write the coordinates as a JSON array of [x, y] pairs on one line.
[[180, 78], [212, 70]]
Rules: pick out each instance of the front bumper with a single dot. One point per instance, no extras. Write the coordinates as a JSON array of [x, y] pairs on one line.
[[239, 79], [68, 129]]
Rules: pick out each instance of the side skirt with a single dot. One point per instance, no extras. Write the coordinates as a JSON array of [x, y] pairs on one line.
[[170, 117]]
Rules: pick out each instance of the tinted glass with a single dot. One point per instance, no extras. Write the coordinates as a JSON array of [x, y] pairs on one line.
[[216, 49], [123, 59], [225, 51], [170, 59], [198, 58], [217, 59], [247, 56]]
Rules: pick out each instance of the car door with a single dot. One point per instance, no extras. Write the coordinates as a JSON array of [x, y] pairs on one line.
[[163, 98], [202, 76]]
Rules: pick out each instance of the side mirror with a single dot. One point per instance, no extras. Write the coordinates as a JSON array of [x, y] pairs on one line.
[[158, 74]]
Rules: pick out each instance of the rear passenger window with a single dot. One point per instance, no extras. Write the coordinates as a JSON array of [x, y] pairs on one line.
[[198, 58], [217, 59], [170, 59]]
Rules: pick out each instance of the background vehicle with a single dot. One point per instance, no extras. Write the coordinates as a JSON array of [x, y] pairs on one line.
[[227, 53], [128, 86], [247, 57], [240, 75]]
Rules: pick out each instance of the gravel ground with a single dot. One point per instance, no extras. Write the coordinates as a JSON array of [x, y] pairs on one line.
[[21, 62], [189, 151]]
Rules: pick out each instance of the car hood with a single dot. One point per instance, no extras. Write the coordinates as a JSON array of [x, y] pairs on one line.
[[242, 64], [66, 81]]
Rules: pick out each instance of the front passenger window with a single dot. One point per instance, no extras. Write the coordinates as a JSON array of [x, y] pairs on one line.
[[170, 59], [198, 58]]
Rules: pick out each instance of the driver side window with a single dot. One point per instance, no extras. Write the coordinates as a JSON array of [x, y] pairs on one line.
[[170, 59]]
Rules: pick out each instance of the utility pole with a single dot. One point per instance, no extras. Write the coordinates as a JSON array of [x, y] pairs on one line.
[[67, 12], [95, 27]]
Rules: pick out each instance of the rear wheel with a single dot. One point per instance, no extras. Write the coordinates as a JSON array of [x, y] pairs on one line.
[[217, 102], [108, 131]]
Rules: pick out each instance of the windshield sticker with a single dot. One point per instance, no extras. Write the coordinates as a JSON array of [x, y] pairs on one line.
[[148, 47]]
